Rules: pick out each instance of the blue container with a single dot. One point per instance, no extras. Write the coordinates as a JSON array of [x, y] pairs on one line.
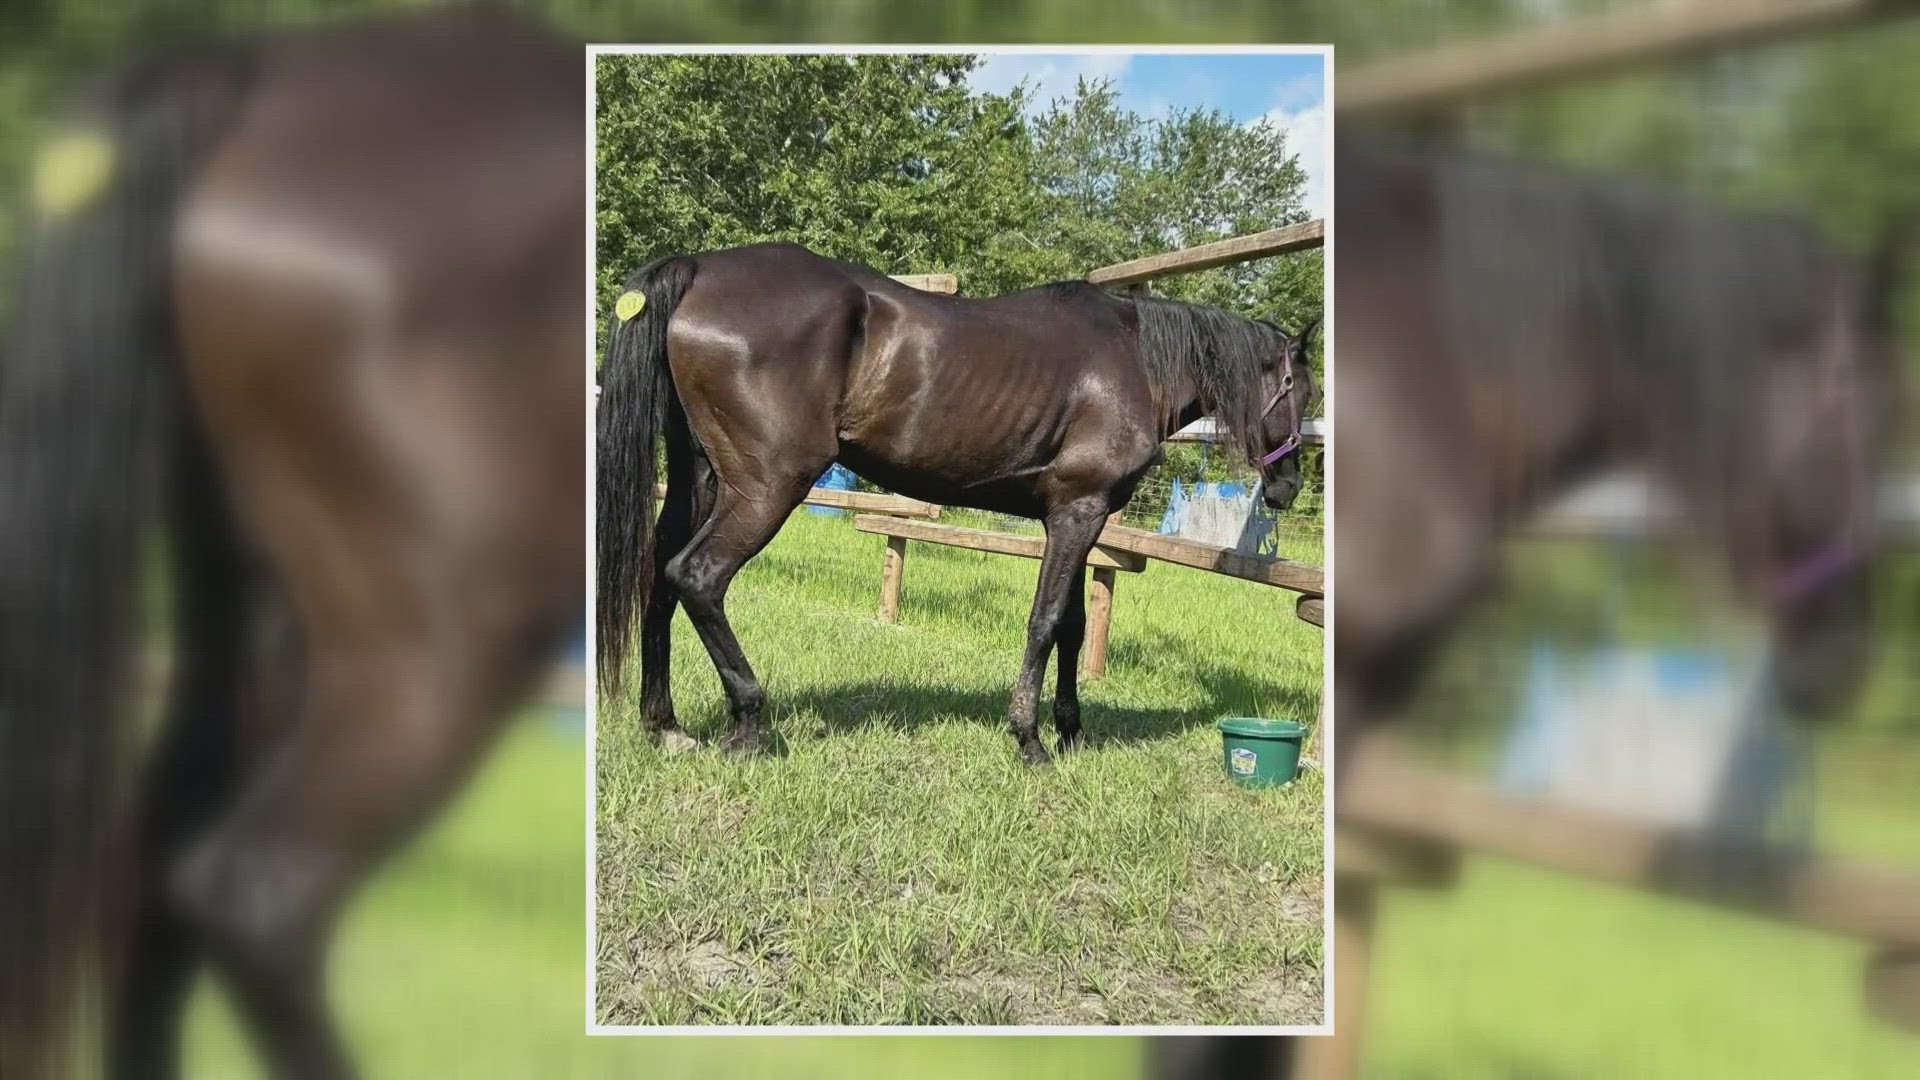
[[837, 478]]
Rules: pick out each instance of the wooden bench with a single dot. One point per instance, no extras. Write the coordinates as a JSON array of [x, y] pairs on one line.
[[896, 505], [1312, 609], [1280, 573], [892, 505]]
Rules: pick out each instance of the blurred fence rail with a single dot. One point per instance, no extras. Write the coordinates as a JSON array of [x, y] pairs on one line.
[[1876, 904], [1636, 34], [1629, 505]]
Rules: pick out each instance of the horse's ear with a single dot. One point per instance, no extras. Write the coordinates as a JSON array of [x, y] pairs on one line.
[[1305, 339]]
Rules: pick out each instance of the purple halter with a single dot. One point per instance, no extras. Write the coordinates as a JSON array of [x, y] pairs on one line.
[[1292, 442]]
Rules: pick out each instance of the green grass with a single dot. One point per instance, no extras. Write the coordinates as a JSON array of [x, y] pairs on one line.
[[895, 864]]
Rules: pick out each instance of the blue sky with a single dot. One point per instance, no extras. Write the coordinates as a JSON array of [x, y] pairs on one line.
[[1286, 89]]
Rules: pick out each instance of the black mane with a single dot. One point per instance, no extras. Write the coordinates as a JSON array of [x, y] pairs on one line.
[[1220, 354]]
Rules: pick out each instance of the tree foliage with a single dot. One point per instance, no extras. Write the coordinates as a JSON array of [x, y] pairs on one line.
[[886, 160], [894, 161]]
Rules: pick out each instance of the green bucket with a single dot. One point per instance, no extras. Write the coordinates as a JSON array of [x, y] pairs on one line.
[[1261, 753]]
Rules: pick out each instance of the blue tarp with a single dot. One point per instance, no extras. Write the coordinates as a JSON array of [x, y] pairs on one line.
[[837, 478]]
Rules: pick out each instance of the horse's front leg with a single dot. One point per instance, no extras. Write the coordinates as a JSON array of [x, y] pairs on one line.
[[1071, 530], [1068, 638]]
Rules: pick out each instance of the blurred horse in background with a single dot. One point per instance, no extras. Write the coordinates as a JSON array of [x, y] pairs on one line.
[[1508, 330], [315, 302]]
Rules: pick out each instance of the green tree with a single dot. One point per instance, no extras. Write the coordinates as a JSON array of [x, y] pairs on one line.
[[892, 161], [1119, 185]]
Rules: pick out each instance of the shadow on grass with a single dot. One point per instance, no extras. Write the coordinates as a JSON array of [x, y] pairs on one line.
[[879, 700]]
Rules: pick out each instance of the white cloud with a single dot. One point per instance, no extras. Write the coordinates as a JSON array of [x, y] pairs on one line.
[[1307, 136], [1048, 77]]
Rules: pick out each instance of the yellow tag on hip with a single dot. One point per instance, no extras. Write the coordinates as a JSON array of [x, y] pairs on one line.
[[72, 171], [629, 305]]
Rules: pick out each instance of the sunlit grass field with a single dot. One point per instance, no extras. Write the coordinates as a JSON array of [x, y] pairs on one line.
[[897, 865]]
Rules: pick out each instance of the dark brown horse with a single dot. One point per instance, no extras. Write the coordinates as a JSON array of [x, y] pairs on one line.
[[316, 302], [1507, 330], [760, 366]]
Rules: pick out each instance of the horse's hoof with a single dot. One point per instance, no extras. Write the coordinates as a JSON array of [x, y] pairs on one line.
[[1069, 743], [745, 742], [675, 741], [1035, 754]]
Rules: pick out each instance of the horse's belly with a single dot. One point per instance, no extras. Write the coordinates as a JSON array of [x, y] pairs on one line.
[[959, 480]]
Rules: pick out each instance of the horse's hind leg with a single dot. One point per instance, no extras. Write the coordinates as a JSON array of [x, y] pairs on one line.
[[745, 519], [688, 503], [402, 700]]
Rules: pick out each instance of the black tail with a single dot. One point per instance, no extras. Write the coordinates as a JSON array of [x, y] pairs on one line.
[[88, 393], [635, 390]]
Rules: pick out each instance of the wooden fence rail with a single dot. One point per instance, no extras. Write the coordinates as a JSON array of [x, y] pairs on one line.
[[1380, 789], [1280, 573], [940, 283], [1238, 249]]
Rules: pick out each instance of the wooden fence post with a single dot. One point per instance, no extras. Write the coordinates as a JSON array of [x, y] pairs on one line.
[[1093, 662], [891, 579]]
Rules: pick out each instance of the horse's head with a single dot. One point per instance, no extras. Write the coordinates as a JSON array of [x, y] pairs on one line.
[[1825, 417], [1288, 388]]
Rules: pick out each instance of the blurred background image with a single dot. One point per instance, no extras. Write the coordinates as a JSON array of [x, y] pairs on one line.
[[1541, 197]]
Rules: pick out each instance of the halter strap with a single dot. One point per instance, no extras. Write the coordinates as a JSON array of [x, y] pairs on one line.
[[1292, 441], [1285, 448]]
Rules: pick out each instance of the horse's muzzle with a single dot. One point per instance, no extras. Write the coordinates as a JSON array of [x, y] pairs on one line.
[[1279, 495]]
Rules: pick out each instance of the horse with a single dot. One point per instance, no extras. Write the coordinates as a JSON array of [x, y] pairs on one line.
[[760, 366], [311, 306], [1744, 362]]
